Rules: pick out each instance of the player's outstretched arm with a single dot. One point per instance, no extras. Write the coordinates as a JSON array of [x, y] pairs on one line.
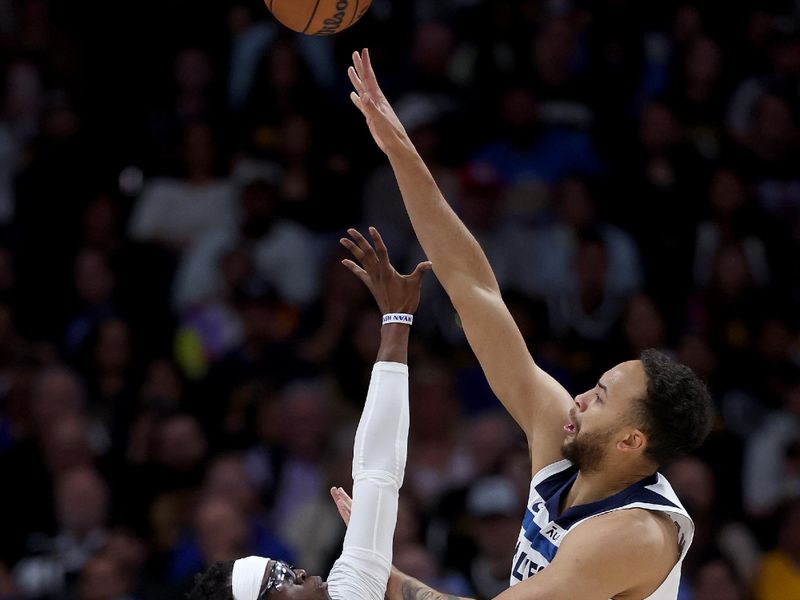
[[379, 451], [531, 396], [622, 554]]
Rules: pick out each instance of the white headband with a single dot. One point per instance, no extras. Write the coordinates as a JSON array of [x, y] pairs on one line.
[[248, 573]]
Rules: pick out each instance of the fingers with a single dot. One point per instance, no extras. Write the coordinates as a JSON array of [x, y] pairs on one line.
[[347, 501], [354, 250], [365, 247], [421, 269], [343, 503], [366, 62], [380, 247], [363, 67], [359, 65], [357, 101], [356, 270], [355, 80]]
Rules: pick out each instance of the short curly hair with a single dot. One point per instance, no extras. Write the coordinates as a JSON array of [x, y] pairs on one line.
[[676, 412], [214, 583]]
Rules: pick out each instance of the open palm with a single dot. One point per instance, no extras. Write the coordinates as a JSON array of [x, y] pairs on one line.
[[385, 127]]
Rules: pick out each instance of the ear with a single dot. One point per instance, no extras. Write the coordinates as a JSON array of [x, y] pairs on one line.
[[635, 440]]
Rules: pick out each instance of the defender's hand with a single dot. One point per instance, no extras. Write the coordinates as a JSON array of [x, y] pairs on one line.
[[385, 127], [394, 293], [344, 503]]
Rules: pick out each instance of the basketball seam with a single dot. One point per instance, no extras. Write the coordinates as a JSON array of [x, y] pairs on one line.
[[355, 12], [311, 18], [270, 4]]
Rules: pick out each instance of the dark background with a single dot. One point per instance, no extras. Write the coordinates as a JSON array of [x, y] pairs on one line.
[[183, 360]]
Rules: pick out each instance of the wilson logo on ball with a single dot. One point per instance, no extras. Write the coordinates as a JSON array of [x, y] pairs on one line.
[[318, 17]]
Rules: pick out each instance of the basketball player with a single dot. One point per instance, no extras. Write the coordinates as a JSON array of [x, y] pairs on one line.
[[601, 522], [379, 459]]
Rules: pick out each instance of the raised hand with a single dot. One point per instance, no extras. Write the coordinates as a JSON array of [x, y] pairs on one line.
[[385, 127], [344, 503], [394, 293]]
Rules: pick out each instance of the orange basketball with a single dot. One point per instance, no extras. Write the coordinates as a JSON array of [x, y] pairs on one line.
[[318, 17]]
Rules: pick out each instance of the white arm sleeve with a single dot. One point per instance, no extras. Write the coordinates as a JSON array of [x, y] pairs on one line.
[[379, 462]]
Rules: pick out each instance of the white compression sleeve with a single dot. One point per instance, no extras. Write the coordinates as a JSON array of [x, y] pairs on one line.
[[379, 462]]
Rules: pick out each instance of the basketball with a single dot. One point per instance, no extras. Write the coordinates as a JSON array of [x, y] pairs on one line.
[[318, 17]]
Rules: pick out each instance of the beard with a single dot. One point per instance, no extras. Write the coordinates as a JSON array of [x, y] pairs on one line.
[[587, 450]]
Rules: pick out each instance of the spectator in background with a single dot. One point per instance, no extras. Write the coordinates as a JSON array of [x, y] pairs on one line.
[[493, 509], [435, 463], [771, 475], [547, 251], [716, 532], [175, 212], [728, 311], [715, 578], [731, 221], [160, 490], [227, 482], [779, 575], [54, 563], [94, 284], [530, 156], [281, 252], [104, 578], [643, 326], [559, 73], [587, 310], [658, 204], [768, 158], [698, 93], [302, 477]]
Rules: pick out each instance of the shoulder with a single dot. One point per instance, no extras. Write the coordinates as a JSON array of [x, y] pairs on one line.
[[641, 531], [626, 539]]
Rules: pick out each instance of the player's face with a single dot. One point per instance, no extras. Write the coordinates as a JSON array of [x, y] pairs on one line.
[[602, 414], [283, 582]]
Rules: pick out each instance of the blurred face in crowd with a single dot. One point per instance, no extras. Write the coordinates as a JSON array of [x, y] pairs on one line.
[[103, 578], [94, 280], [601, 420], [112, 352], [693, 481], [727, 193], [703, 64], [643, 324], [228, 478], [307, 404], [181, 444], [57, 393], [659, 130], [65, 444], [432, 48], [222, 530], [554, 51], [715, 581], [192, 70], [576, 207], [773, 128], [81, 500]]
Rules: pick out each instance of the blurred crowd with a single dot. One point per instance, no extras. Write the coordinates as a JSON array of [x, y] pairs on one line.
[[183, 359]]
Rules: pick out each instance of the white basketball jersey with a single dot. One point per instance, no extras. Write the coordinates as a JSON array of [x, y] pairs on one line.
[[545, 526]]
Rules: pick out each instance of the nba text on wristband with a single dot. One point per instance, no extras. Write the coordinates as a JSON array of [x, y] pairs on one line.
[[403, 318]]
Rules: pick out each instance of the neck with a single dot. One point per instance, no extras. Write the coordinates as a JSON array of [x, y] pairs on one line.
[[601, 484]]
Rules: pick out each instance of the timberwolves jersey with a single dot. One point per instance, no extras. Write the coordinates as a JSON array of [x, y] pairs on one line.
[[545, 526]]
